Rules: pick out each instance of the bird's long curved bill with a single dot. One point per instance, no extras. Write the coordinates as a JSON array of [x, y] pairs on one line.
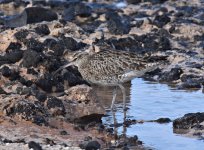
[[65, 66]]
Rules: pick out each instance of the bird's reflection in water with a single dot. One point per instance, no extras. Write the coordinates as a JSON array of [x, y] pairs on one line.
[[105, 95]]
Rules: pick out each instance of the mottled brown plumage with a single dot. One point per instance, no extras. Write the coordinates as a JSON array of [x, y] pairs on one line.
[[112, 68]]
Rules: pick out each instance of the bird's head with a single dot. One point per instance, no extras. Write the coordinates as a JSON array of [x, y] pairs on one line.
[[76, 58]]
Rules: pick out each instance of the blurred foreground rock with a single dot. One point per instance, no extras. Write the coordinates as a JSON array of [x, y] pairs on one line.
[[191, 124], [81, 104]]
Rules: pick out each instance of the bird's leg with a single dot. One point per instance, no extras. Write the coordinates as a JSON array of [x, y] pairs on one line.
[[124, 110], [124, 124], [115, 126], [124, 96], [114, 97]]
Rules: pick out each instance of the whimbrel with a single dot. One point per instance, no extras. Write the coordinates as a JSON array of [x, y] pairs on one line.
[[112, 68]]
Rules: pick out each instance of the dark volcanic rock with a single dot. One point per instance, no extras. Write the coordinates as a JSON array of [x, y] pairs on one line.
[[116, 24], [161, 20], [11, 74], [90, 26], [11, 57], [154, 42], [39, 14], [6, 71], [14, 46], [57, 46], [31, 55], [88, 144], [92, 145], [163, 120], [28, 83], [188, 121], [41, 96], [56, 106], [76, 9], [156, 1], [42, 29], [21, 35], [73, 77], [35, 45], [128, 44], [24, 109], [72, 44], [190, 81], [134, 1], [172, 75], [144, 43], [52, 63], [63, 132], [47, 83], [188, 77], [35, 146], [32, 71], [190, 84]]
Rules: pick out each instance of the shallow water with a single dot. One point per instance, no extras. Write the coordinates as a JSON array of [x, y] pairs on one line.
[[150, 101]]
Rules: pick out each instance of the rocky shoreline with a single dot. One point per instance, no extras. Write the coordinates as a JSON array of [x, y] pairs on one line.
[[63, 111]]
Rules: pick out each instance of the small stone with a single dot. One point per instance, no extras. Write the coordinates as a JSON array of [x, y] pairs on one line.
[[14, 46], [32, 71], [41, 96], [72, 44], [35, 45], [35, 146], [63, 132], [6, 71], [31, 55], [14, 76], [163, 120], [49, 142], [92, 145], [11, 74], [54, 102], [57, 47], [42, 29], [161, 20], [47, 83], [87, 138], [172, 75], [73, 77], [21, 35], [28, 83]]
